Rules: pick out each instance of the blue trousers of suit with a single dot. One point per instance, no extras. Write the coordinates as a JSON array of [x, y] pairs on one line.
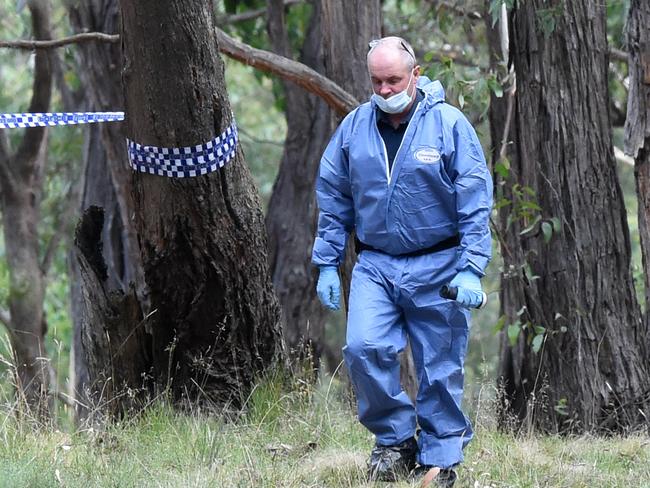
[[393, 299]]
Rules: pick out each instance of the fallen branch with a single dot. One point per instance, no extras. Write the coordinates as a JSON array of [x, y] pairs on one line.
[[66, 399], [618, 54]]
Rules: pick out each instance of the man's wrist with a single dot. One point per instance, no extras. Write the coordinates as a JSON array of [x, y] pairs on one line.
[[473, 269], [324, 267]]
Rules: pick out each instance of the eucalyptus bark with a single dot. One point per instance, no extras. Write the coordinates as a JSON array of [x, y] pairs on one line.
[[114, 346], [637, 129], [590, 373], [21, 174], [214, 321], [101, 77], [107, 184]]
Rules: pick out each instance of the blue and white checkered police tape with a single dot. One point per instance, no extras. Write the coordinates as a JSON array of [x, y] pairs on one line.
[[180, 162], [185, 162], [14, 121]]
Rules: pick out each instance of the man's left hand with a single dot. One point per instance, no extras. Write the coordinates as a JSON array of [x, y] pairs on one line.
[[470, 293]]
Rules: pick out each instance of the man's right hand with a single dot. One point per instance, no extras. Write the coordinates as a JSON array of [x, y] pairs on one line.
[[329, 287]]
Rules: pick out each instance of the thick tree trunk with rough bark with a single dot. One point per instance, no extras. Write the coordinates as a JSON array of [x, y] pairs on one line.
[[108, 245], [574, 292], [21, 175], [20, 216], [637, 129], [110, 175], [214, 320]]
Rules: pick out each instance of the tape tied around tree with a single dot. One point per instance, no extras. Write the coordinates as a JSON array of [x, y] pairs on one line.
[[47, 119], [185, 162]]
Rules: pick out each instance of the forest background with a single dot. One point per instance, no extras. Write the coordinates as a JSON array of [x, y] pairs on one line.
[[451, 40]]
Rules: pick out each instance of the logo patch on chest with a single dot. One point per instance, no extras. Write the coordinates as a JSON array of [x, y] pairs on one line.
[[427, 155]]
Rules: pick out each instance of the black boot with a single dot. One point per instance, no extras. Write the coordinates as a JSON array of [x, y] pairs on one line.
[[390, 463]]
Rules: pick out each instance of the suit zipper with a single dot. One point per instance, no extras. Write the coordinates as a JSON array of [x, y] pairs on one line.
[[389, 170]]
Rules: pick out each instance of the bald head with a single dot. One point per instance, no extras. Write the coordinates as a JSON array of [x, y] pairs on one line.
[[392, 68], [391, 50]]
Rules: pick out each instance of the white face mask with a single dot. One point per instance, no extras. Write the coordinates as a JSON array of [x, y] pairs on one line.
[[397, 103]]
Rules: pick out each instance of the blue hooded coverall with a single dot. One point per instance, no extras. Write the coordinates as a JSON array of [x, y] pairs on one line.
[[438, 187]]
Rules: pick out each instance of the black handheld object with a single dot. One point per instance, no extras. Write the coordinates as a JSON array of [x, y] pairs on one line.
[[451, 292]]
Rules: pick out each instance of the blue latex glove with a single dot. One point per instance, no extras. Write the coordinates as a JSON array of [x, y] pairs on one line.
[[329, 287], [470, 293]]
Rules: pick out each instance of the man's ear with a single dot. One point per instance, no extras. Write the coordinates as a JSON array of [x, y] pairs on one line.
[[416, 71]]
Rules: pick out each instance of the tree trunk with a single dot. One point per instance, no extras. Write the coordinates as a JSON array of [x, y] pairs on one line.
[[20, 216], [107, 179], [292, 213], [503, 133], [574, 294], [214, 320], [637, 129], [336, 46], [98, 191], [21, 187], [347, 29], [111, 175], [348, 26], [116, 352]]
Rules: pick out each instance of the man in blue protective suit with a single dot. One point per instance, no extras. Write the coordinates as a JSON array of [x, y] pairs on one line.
[[407, 173]]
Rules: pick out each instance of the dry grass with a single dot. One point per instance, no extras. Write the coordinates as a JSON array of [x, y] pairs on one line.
[[304, 437]]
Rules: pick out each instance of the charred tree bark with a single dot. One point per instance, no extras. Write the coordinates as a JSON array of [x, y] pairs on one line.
[[111, 175], [637, 129], [21, 175], [115, 347], [214, 319], [107, 184], [574, 291], [99, 193]]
